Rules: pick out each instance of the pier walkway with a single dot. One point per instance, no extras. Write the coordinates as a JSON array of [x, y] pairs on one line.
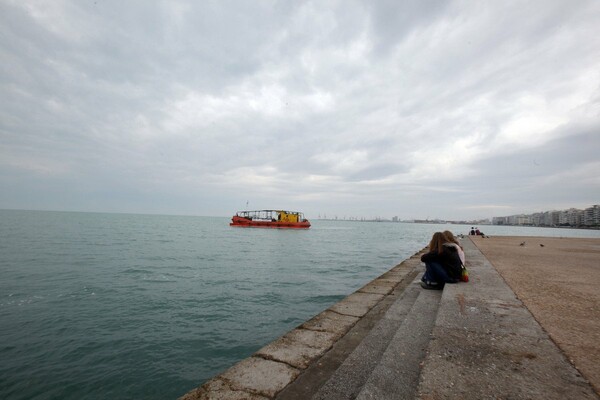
[[394, 340]]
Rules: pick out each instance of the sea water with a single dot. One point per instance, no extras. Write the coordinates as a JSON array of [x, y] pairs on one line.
[[120, 306]]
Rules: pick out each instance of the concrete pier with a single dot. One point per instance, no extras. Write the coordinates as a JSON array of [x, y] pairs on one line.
[[558, 280], [394, 340]]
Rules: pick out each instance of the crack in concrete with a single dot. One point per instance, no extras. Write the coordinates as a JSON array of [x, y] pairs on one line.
[[271, 358]]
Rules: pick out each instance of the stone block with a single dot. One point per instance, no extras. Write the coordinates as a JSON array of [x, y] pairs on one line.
[[332, 322], [259, 376], [217, 389], [294, 353], [379, 286], [357, 304]]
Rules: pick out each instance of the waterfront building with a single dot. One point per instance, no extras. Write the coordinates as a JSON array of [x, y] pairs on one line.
[[591, 216], [500, 221], [537, 219], [575, 217]]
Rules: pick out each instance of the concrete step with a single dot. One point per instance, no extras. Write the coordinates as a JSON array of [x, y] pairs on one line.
[[375, 352], [396, 376]]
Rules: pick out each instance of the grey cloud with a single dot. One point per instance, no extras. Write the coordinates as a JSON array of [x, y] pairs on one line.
[[110, 102], [391, 21], [377, 172], [525, 178]]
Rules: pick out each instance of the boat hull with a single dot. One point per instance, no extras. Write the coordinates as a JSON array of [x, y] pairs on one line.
[[248, 223]]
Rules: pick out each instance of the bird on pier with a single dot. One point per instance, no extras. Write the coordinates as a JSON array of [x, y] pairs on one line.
[[522, 244]]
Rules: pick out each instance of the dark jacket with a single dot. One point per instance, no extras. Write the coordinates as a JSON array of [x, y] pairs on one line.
[[448, 258]]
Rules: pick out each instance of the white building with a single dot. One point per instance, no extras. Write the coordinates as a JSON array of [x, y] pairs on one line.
[[575, 217], [591, 216]]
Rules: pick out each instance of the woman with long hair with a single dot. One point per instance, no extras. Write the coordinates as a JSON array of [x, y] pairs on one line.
[[442, 263]]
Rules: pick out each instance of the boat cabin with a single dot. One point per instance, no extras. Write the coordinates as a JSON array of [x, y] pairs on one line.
[[270, 219]]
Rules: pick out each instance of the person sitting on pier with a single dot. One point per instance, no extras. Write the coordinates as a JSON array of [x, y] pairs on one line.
[[442, 264], [452, 241]]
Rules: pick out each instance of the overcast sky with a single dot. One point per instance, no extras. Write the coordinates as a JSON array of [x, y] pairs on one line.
[[416, 109]]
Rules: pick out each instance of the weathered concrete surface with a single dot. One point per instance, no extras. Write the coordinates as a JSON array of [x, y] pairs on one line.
[[299, 347], [486, 344], [218, 388], [357, 304], [559, 283], [396, 375], [379, 286], [311, 382], [332, 322], [279, 363], [249, 378], [350, 377]]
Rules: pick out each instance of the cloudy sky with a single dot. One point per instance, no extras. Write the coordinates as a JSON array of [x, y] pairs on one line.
[[416, 109]]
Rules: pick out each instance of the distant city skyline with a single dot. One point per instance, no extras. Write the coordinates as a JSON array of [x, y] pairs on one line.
[[574, 217]]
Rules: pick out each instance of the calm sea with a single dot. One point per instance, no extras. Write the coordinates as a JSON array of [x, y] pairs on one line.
[[122, 306]]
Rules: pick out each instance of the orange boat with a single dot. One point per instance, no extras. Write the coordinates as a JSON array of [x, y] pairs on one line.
[[270, 219]]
